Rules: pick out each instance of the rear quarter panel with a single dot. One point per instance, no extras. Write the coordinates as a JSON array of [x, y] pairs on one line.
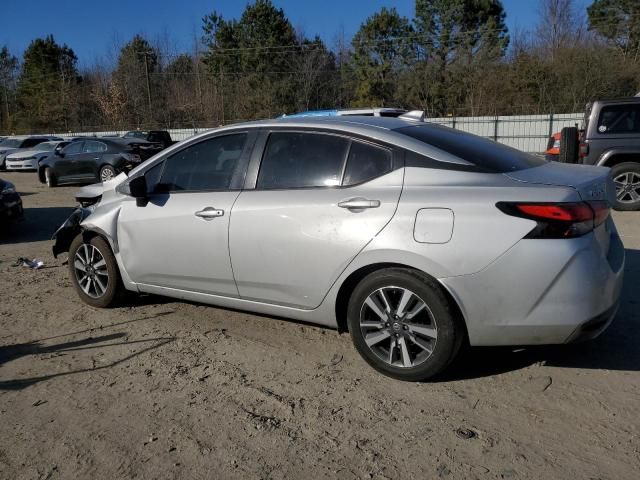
[[481, 232]]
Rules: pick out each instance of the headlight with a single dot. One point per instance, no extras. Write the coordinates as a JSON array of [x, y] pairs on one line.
[[9, 188]]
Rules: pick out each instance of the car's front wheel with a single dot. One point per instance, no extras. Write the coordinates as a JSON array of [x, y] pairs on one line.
[[94, 272], [49, 178], [626, 177], [403, 325]]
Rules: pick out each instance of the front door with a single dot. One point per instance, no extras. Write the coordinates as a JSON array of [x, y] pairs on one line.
[[66, 166], [179, 239], [319, 199]]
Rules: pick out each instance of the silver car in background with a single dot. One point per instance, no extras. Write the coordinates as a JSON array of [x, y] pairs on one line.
[[415, 237], [11, 145], [29, 159]]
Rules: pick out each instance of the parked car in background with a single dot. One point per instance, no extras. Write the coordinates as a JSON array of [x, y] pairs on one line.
[[154, 136], [13, 144], [94, 159], [552, 153], [349, 222], [10, 201], [29, 159], [609, 137]]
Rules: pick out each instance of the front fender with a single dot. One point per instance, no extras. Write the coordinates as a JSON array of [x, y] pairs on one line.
[[69, 230]]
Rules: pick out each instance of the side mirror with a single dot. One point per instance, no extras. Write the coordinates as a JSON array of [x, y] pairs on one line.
[[58, 152], [138, 189]]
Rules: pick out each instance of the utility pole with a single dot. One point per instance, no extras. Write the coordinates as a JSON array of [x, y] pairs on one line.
[[222, 93], [146, 69]]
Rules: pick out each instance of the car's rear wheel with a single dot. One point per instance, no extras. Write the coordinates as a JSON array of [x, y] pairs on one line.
[[568, 145], [107, 173], [403, 325], [94, 272], [49, 178], [626, 177]]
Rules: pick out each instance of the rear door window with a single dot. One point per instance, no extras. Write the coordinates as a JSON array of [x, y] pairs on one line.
[[619, 119], [91, 146], [208, 165], [302, 160], [366, 162]]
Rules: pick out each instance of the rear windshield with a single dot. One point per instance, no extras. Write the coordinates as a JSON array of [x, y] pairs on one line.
[[487, 155]]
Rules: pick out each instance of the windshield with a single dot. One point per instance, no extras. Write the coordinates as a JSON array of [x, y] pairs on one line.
[[11, 143], [487, 155], [45, 146]]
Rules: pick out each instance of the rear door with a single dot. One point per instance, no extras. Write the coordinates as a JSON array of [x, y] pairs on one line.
[[90, 159], [313, 200]]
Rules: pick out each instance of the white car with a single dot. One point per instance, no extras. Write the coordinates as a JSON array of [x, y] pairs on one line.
[[29, 159]]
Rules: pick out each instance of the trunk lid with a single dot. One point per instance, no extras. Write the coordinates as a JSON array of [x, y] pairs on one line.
[[591, 183]]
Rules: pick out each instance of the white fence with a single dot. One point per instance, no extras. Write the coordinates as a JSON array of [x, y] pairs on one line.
[[528, 133]]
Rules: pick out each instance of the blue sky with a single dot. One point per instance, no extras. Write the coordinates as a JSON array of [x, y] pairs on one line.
[[92, 28]]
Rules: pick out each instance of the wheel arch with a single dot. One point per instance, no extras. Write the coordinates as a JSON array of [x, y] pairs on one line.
[[349, 284], [611, 158]]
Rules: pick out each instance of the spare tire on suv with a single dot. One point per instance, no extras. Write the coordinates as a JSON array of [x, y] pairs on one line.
[[568, 145]]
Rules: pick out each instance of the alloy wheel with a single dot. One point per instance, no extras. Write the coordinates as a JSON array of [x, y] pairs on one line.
[[398, 327], [106, 174], [91, 270], [627, 187]]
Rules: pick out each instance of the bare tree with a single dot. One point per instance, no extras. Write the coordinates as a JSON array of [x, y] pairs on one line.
[[560, 24]]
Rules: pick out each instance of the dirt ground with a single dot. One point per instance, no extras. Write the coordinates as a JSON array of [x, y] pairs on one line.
[[164, 389]]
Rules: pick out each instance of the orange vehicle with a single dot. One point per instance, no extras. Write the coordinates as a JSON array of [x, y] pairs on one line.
[[553, 147]]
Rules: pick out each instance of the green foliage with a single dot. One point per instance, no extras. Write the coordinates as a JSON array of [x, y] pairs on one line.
[[8, 71], [618, 21], [252, 57], [451, 59], [44, 91], [382, 48]]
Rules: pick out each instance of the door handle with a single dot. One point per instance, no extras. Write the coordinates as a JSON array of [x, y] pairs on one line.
[[209, 213], [359, 203]]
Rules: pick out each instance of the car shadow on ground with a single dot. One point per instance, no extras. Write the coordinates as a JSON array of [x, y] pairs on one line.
[[43, 346], [38, 224], [616, 349]]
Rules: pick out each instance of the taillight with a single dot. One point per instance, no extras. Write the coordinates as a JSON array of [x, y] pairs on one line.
[[132, 157], [583, 150], [559, 220]]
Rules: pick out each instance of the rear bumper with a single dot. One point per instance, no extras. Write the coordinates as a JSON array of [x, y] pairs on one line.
[[544, 291], [594, 327]]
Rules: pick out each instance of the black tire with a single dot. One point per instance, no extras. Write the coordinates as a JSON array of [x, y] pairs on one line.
[[626, 177], [49, 178], [439, 317], [91, 293], [568, 145], [107, 171]]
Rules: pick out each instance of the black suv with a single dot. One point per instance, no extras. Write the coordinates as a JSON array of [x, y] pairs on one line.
[[610, 137]]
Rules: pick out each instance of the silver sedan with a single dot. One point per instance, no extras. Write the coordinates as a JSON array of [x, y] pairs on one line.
[[415, 238]]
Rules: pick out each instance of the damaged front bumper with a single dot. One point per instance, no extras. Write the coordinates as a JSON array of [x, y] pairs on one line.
[[69, 230]]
